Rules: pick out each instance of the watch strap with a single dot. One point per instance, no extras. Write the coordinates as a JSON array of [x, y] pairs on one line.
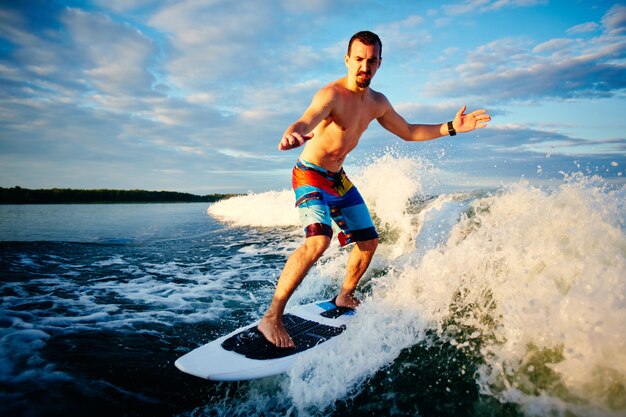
[[451, 130]]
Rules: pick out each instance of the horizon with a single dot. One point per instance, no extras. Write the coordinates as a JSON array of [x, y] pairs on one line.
[[193, 97]]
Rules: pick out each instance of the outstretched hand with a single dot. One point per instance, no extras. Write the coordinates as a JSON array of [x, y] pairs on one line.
[[293, 140], [466, 122]]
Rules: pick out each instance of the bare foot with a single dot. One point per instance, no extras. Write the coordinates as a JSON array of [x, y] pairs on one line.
[[347, 300], [274, 331]]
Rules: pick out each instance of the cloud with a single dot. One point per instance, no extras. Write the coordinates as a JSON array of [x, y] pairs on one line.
[[122, 6], [114, 56], [210, 41], [34, 64], [139, 92], [76, 57], [515, 69], [583, 28], [615, 20], [79, 104], [507, 153], [553, 45], [403, 34], [481, 6]]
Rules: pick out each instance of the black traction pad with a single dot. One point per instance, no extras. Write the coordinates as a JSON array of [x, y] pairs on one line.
[[305, 334], [336, 312]]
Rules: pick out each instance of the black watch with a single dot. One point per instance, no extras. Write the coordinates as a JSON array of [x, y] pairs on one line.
[[451, 130]]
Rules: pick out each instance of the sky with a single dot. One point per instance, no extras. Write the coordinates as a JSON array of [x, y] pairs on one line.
[[194, 95]]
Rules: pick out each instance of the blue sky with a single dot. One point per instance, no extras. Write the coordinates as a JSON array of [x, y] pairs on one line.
[[194, 95]]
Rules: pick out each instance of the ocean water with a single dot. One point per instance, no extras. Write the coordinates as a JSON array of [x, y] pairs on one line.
[[502, 302]]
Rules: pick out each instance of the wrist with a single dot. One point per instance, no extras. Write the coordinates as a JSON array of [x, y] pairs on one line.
[[451, 129]]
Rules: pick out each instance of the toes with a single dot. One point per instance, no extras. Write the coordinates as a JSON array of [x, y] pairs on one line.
[[285, 342]]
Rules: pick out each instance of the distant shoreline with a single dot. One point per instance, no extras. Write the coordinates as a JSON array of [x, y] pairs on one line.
[[19, 195]]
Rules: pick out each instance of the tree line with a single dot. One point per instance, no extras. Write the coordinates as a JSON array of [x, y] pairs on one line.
[[19, 195]]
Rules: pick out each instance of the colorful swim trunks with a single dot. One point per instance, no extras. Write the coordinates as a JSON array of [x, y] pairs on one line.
[[322, 196]]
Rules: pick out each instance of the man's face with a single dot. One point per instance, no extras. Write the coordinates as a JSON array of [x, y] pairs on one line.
[[363, 62]]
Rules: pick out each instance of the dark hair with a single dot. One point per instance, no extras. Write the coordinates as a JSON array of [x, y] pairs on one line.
[[367, 38]]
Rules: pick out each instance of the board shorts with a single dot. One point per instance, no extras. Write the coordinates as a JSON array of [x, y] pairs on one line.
[[323, 197]]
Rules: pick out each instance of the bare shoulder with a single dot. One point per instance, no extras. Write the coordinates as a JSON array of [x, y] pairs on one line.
[[379, 98], [327, 94], [381, 103]]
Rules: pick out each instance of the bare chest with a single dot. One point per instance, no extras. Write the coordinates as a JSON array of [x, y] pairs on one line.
[[353, 117]]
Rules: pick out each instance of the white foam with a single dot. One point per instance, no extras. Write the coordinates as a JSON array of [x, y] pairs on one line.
[[541, 275], [388, 185], [268, 209], [20, 360], [375, 337], [115, 260]]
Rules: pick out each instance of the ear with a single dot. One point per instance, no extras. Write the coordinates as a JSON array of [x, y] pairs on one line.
[[346, 58]]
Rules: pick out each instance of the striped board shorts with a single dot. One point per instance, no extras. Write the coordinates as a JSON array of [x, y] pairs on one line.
[[323, 196]]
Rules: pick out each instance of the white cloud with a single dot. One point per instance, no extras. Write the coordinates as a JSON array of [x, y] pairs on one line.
[[515, 69], [615, 20], [210, 41], [307, 6], [408, 33], [173, 89], [39, 64], [583, 28], [122, 6], [481, 6], [115, 56], [552, 45]]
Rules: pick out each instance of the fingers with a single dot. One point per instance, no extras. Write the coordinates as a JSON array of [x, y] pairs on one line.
[[481, 117], [477, 119], [289, 142], [293, 140], [480, 114]]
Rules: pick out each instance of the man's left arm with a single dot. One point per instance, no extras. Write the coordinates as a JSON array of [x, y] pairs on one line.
[[461, 123]]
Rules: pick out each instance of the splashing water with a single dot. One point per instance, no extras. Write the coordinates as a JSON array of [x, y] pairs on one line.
[[268, 209], [528, 282]]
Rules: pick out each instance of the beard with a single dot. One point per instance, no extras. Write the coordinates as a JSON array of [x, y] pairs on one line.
[[364, 80], [363, 84]]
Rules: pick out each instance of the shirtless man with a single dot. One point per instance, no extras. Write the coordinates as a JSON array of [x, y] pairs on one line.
[[331, 128]]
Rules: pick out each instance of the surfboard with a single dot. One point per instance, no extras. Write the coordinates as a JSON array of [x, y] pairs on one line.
[[245, 353]]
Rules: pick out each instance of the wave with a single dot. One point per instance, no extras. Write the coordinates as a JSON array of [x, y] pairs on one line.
[[528, 280], [268, 209]]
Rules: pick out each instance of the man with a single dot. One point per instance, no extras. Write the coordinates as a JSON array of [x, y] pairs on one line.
[[330, 128]]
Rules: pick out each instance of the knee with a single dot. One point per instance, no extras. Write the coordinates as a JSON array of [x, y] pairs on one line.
[[368, 245], [316, 245]]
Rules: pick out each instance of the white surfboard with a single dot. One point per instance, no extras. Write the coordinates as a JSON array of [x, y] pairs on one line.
[[246, 354]]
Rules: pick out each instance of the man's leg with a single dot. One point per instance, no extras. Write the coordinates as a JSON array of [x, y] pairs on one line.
[[296, 268], [360, 258]]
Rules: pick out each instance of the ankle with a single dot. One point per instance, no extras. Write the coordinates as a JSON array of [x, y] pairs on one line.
[[347, 299], [273, 313]]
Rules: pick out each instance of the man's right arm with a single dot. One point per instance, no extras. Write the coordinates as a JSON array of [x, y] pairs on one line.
[[301, 131]]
